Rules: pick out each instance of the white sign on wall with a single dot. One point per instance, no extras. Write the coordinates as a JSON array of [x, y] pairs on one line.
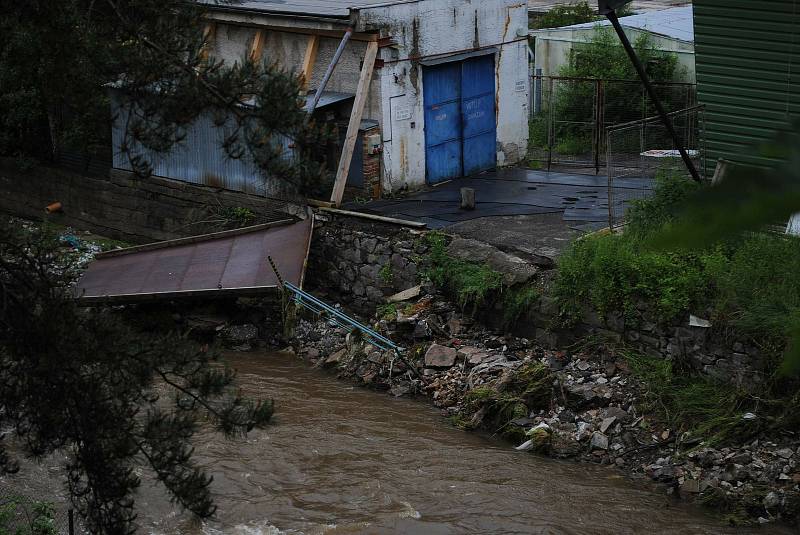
[[402, 114], [519, 86]]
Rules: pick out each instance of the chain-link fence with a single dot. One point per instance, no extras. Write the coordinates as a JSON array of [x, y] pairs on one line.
[[23, 515], [638, 152], [570, 116]]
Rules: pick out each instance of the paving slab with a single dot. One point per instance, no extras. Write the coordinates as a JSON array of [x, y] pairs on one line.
[[530, 211]]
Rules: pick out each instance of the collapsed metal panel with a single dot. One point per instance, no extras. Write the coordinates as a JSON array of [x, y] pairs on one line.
[[214, 265]]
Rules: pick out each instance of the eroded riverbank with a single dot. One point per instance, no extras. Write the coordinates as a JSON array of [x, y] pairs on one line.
[[344, 459]]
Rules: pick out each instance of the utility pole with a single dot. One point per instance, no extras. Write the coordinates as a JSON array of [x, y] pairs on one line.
[[608, 8]]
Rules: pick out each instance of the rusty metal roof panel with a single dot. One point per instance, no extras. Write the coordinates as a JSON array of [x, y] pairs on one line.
[[225, 263]]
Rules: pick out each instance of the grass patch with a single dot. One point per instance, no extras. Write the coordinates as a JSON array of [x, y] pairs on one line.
[[517, 301], [387, 311], [750, 283], [529, 389], [707, 409], [474, 284], [386, 275], [469, 282], [612, 273]]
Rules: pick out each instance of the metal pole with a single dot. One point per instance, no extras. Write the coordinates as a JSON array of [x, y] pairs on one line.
[[598, 122], [612, 16], [329, 71], [71, 516]]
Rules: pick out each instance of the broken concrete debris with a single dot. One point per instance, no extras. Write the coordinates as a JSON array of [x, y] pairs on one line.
[[596, 411]]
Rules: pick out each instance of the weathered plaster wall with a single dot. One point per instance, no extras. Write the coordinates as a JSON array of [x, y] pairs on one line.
[[435, 28]]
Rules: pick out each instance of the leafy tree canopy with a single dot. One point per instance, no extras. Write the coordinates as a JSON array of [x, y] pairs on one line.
[[108, 395], [574, 13], [604, 57], [58, 59]]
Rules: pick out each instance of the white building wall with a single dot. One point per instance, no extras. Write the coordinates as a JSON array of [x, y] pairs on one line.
[[421, 30], [435, 28]]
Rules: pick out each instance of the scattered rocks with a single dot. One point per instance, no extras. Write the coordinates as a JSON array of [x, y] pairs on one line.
[[592, 407]]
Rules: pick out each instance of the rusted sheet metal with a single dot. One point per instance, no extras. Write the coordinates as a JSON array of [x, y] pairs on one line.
[[214, 265]]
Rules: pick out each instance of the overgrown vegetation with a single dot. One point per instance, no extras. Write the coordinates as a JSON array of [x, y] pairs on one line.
[[573, 13], [387, 310], [529, 389], [476, 286], [239, 216], [706, 408], [750, 283], [470, 283], [603, 58], [566, 15], [516, 302], [385, 274], [19, 516], [86, 383]]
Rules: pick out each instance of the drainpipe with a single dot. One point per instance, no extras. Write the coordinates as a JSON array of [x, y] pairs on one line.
[[612, 16], [329, 72]]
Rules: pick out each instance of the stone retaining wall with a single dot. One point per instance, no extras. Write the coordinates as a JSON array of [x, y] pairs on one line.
[[714, 351], [359, 262], [123, 206]]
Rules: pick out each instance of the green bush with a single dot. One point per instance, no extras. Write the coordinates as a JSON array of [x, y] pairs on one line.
[[648, 215], [471, 283], [706, 408], [603, 58], [758, 287], [573, 145], [750, 284], [610, 273], [566, 15]]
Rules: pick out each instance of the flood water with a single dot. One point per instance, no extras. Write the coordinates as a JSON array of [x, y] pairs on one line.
[[345, 460]]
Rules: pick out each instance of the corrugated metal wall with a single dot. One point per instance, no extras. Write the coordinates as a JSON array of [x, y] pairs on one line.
[[199, 159], [748, 73]]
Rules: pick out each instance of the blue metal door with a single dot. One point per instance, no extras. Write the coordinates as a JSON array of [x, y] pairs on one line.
[[478, 114], [460, 128], [442, 87]]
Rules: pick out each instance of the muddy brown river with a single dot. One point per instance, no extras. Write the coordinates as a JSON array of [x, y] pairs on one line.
[[345, 460]]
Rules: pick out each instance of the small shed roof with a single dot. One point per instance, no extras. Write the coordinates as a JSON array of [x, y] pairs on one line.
[[309, 8], [227, 263], [676, 23]]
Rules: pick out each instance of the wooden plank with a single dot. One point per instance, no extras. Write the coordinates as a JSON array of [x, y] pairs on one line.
[[308, 61], [209, 35], [333, 34], [319, 204], [355, 120], [373, 217], [257, 46]]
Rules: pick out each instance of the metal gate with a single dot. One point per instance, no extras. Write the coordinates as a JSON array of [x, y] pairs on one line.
[[460, 126]]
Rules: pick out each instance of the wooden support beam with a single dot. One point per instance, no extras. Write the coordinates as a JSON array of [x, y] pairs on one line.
[[257, 46], [209, 35], [308, 61], [250, 23], [355, 121]]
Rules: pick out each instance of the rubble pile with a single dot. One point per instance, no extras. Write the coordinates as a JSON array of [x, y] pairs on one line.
[[581, 404]]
